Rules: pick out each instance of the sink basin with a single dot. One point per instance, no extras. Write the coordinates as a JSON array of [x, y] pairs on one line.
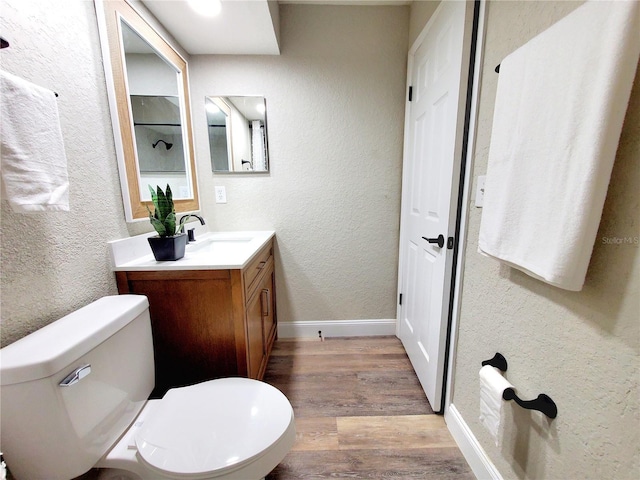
[[213, 243]]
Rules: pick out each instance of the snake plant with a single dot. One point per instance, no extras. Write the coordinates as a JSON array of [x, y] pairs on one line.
[[163, 218]]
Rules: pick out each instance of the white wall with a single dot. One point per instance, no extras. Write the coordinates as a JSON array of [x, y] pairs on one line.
[[580, 348], [335, 107]]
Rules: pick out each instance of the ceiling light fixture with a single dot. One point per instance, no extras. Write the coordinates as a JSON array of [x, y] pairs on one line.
[[207, 8]]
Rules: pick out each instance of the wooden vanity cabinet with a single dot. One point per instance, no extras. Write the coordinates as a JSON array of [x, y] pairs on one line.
[[208, 324]]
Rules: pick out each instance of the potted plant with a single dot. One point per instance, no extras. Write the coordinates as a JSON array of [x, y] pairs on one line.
[[169, 244]]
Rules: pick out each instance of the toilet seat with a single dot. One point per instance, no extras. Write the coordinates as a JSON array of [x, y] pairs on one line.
[[244, 418]]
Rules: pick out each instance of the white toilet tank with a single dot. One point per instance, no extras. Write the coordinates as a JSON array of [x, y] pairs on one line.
[[52, 432]]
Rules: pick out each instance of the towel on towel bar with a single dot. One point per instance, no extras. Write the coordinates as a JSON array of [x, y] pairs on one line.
[[560, 106], [34, 163]]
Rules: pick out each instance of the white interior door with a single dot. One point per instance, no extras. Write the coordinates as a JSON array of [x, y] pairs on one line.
[[433, 138]]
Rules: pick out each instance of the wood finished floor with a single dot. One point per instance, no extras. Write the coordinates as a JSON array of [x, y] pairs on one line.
[[360, 413]]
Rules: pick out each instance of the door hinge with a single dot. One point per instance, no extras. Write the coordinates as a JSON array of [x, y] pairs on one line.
[[450, 243], [410, 93], [400, 299]]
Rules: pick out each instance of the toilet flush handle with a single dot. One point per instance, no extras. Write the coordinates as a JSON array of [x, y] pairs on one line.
[[75, 376]]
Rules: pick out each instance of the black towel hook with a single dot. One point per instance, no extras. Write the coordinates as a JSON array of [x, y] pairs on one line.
[[543, 403]]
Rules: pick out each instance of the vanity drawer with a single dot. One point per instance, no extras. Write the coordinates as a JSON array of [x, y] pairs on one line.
[[256, 267]]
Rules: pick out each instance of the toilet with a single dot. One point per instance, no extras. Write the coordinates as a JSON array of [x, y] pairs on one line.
[[74, 396]]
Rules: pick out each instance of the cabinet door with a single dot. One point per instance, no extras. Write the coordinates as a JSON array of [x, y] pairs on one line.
[[261, 323], [193, 323], [255, 335]]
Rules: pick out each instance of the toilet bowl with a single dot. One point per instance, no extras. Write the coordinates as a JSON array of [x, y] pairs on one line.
[[232, 428], [74, 396]]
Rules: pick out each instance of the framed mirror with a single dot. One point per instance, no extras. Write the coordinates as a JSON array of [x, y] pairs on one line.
[[150, 110], [237, 127]]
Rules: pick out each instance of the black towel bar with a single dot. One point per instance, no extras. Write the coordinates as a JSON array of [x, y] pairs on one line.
[[543, 403]]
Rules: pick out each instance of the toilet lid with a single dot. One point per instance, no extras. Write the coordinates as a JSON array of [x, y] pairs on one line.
[[216, 425]]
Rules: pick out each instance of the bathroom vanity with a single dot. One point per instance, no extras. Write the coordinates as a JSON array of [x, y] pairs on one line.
[[213, 313]]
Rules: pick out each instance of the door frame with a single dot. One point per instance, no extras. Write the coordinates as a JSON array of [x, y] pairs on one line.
[[459, 216]]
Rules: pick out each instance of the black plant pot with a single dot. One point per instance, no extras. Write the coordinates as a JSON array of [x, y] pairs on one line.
[[168, 248]]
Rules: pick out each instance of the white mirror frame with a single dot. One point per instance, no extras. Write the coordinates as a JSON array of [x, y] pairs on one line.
[[110, 13]]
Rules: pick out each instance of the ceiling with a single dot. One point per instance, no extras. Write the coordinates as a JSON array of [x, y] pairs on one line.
[[242, 27]]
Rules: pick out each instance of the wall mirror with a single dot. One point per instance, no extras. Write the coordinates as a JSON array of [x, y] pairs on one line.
[[237, 128], [149, 98]]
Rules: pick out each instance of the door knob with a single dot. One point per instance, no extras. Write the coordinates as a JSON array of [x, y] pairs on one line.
[[439, 240]]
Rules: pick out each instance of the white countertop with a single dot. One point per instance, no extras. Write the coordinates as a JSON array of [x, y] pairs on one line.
[[210, 251]]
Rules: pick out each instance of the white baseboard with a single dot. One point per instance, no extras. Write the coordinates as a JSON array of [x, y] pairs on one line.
[[337, 328], [473, 452]]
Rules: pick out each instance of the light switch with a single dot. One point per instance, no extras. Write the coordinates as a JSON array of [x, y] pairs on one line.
[[480, 190], [221, 194]]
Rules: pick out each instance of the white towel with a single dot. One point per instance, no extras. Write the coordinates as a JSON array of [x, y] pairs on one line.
[[492, 385], [560, 106], [34, 164]]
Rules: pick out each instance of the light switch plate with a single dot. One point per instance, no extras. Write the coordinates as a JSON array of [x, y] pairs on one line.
[[221, 194], [480, 190]]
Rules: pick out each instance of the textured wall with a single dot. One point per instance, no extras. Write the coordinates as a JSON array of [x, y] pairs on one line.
[[581, 348], [53, 263], [335, 107], [421, 11]]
